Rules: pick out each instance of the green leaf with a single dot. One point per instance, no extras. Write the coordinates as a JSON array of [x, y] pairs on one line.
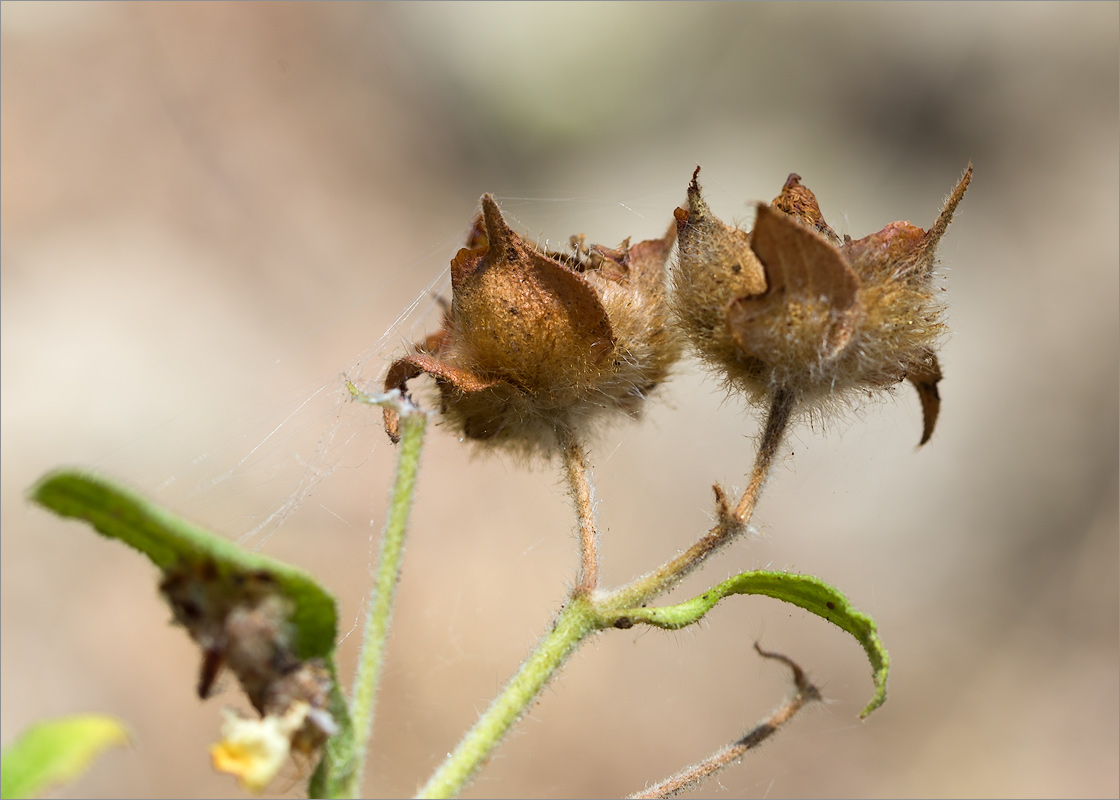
[[805, 591], [172, 542], [56, 752]]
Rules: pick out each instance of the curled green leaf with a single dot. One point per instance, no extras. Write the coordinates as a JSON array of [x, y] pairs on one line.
[[805, 591], [173, 543], [56, 751]]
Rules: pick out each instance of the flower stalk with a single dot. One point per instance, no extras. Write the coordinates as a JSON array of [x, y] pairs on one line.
[[577, 471], [730, 523]]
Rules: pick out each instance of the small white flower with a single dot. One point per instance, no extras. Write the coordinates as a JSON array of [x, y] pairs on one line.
[[253, 750]]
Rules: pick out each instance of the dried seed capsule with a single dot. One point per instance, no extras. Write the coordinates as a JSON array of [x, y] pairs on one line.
[[535, 345], [831, 319]]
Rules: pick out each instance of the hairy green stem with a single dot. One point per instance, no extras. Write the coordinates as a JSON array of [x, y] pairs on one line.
[[364, 695], [578, 620], [589, 610]]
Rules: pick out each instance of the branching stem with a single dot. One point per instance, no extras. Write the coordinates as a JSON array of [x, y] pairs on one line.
[[589, 610], [730, 525]]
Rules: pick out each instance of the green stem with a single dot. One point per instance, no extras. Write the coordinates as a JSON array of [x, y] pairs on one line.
[[364, 695], [588, 610], [577, 621]]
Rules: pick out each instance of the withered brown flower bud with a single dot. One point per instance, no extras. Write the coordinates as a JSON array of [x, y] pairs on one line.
[[536, 345], [792, 308]]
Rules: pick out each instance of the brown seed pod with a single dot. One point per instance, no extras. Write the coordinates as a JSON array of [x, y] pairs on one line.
[[536, 345], [832, 318]]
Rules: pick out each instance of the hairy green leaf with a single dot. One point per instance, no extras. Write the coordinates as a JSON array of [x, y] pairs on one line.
[[805, 591], [172, 542]]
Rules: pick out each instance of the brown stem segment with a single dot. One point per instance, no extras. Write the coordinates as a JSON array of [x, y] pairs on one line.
[[691, 776], [579, 485], [731, 523], [781, 409]]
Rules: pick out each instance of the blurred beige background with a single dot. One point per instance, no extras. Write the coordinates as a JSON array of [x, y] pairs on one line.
[[212, 211]]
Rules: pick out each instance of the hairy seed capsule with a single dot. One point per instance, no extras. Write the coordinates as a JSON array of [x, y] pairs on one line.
[[537, 345], [792, 308]]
